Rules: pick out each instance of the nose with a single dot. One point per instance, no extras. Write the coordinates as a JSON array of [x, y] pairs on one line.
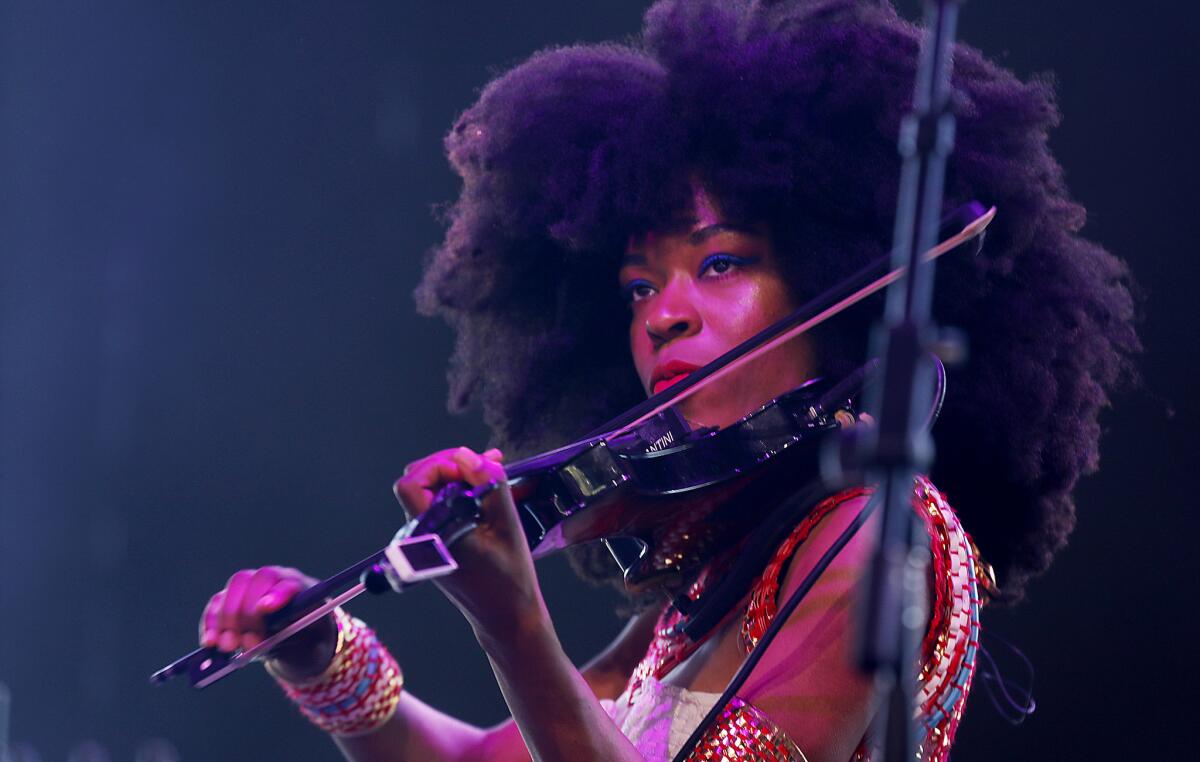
[[674, 314]]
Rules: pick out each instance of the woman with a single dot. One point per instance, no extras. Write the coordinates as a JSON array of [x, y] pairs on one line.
[[664, 200]]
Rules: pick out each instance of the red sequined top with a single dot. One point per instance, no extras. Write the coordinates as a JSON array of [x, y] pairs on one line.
[[948, 650]]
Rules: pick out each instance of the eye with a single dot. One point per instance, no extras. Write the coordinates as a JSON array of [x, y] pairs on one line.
[[637, 290], [722, 264]]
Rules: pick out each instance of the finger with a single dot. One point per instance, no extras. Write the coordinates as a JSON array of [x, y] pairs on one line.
[[494, 454], [248, 617], [228, 640], [279, 595], [475, 469], [496, 505], [467, 459], [250, 640], [208, 620], [227, 619], [427, 471], [415, 491]]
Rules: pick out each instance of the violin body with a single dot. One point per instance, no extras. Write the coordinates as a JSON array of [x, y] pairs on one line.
[[683, 496]]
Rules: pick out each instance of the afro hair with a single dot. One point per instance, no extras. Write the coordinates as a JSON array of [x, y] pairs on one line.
[[788, 114]]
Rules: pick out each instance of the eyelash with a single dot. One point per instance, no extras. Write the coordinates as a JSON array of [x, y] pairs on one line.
[[727, 259], [628, 293]]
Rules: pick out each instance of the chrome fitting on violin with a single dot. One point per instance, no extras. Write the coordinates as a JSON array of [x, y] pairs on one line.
[[420, 550], [416, 559]]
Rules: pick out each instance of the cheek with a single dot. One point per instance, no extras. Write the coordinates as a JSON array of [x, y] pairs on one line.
[[754, 308], [641, 349], [775, 300]]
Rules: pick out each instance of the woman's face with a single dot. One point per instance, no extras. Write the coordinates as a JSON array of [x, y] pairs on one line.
[[696, 294]]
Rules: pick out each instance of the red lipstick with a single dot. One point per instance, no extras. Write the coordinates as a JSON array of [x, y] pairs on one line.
[[670, 373]]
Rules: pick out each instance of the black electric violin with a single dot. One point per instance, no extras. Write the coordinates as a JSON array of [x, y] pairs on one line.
[[681, 495]]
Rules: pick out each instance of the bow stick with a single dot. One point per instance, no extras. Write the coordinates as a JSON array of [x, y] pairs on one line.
[[206, 666]]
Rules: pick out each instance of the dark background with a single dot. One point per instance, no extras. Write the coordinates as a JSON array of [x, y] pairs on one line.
[[213, 216]]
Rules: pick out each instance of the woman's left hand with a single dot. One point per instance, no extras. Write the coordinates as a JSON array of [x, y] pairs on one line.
[[495, 585]]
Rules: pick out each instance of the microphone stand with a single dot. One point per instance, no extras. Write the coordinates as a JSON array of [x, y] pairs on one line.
[[892, 616]]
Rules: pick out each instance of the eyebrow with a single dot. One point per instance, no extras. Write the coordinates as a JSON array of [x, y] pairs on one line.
[[708, 231], [696, 237]]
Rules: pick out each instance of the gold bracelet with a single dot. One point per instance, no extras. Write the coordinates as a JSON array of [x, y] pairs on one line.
[[360, 689]]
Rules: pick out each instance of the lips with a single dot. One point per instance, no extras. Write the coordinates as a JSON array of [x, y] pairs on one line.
[[670, 373]]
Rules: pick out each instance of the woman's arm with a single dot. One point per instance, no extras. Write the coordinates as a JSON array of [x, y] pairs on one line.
[[420, 732], [556, 705], [558, 715], [496, 589], [234, 617]]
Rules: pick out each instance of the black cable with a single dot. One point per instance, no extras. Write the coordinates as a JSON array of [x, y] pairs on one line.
[[1014, 709], [776, 625], [709, 610]]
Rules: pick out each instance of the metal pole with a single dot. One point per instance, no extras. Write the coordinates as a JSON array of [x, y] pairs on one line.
[[899, 447]]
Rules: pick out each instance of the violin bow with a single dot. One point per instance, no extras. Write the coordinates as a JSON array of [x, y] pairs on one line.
[[853, 290], [206, 666]]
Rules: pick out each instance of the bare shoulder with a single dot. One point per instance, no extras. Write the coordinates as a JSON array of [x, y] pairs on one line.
[[806, 681], [850, 561]]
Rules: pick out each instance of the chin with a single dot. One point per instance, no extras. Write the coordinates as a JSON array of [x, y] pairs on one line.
[[711, 407]]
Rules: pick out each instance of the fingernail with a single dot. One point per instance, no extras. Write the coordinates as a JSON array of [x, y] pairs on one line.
[[208, 639], [265, 602]]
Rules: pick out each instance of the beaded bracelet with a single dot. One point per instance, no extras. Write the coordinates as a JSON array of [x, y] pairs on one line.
[[360, 689]]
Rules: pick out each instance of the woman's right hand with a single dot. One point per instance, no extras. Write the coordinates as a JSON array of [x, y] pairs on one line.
[[235, 617]]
